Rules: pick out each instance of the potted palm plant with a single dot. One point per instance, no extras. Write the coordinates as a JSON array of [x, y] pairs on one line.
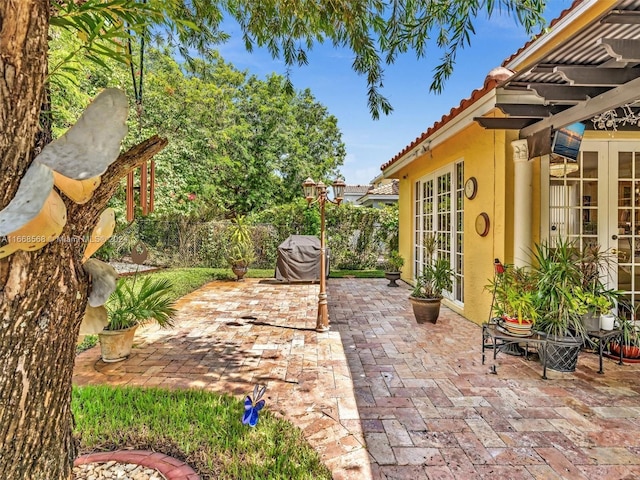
[[240, 251], [436, 277], [133, 304], [392, 267]]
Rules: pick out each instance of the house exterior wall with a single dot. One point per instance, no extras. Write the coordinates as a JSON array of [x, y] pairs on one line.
[[487, 155]]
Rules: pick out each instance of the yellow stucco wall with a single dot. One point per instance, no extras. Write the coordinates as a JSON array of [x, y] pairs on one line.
[[488, 156], [485, 154]]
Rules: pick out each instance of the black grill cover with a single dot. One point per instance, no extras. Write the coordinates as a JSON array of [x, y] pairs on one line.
[[299, 259]]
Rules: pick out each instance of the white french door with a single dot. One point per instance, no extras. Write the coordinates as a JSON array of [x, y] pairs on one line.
[[438, 211], [599, 205], [624, 217]]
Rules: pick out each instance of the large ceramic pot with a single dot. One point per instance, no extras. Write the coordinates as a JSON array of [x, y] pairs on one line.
[[392, 277], [426, 310], [115, 345]]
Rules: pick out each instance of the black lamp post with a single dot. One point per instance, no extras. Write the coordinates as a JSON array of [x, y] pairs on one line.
[[317, 193]]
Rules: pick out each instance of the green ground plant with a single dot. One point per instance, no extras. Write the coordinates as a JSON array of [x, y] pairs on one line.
[[202, 428]]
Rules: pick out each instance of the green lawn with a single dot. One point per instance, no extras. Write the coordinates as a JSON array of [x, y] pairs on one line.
[[202, 428], [356, 273], [186, 280]]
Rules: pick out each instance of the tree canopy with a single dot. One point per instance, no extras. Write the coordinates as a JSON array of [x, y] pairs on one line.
[[236, 142], [375, 31]]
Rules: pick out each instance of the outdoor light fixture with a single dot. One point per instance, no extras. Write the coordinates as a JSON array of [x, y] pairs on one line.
[[309, 187], [317, 193]]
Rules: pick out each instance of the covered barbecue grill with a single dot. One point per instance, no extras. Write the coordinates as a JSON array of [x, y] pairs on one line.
[[299, 259]]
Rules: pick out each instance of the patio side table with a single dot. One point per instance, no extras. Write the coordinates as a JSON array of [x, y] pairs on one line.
[[604, 337], [494, 337]]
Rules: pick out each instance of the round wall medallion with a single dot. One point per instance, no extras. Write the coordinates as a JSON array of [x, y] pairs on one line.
[[471, 188], [482, 224]]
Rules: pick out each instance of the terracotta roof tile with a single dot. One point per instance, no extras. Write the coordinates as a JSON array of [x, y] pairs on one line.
[[392, 188], [361, 189]]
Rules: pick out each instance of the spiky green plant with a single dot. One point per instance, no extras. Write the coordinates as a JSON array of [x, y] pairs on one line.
[[149, 301], [559, 275]]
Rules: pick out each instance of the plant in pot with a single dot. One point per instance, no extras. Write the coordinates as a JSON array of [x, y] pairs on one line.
[[598, 305], [133, 304], [426, 295], [240, 252], [596, 264], [514, 299], [559, 279], [392, 267], [629, 340]]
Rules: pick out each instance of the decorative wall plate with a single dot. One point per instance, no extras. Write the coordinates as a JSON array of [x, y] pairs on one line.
[[482, 224]]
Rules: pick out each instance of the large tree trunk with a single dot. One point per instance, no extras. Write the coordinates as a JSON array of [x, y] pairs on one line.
[[42, 294]]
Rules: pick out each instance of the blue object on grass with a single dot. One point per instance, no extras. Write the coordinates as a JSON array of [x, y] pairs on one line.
[[252, 406]]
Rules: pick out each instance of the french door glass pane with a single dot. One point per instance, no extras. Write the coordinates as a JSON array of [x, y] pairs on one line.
[[573, 203]]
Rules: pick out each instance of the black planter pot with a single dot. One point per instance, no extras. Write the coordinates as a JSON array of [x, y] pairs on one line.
[[561, 353], [426, 310], [392, 277]]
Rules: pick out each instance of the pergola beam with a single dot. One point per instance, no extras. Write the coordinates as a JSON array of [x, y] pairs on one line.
[[530, 110], [623, 17], [559, 93], [504, 123], [622, 49], [588, 76], [610, 99]]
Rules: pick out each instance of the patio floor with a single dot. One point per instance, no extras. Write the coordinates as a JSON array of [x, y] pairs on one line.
[[416, 395]]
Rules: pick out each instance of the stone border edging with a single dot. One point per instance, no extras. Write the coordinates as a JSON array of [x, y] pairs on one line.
[[171, 468]]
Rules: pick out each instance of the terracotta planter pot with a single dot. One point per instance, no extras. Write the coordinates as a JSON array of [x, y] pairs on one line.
[[516, 327], [426, 310], [115, 345], [628, 351]]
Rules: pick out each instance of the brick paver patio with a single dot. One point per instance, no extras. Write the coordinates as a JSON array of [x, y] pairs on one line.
[[416, 394]]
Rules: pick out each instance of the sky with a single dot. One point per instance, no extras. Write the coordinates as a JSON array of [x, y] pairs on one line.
[[371, 143]]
